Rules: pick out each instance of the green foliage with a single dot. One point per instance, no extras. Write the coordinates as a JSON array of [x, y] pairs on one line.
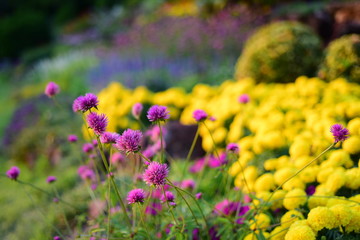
[[342, 59], [279, 52]]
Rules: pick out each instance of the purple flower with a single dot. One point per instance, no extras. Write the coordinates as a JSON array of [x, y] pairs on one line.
[[50, 179], [195, 234], [97, 123], [52, 89], [129, 141], [339, 132], [109, 137], [197, 166], [72, 138], [168, 197], [85, 103], [229, 208], [136, 196], [198, 195], [244, 98], [57, 238], [86, 173], [188, 183], [200, 115], [158, 113], [13, 173], [232, 147], [310, 190], [87, 147], [55, 200], [215, 162], [136, 110], [153, 209], [117, 158], [155, 174]]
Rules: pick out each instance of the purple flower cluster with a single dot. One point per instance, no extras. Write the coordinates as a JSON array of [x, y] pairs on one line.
[[339, 132], [200, 115], [129, 141], [13, 173], [85, 103], [51, 89], [109, 137], [97, 122], [136, 196], [156, 174], [158, 113]]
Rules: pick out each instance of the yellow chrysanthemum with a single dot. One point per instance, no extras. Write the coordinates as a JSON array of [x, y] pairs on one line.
[[352, 145], [261, 221], [265, 183], [354, 224], [300, 233], [290, 217], [295, 198], [321, 217], [342, 213]]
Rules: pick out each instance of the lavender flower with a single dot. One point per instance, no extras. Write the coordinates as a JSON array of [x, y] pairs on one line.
[[136, 110], [97, 123], [87, 147], [129, 141], [232, 147], [136, 196], [158, 113], [50, 179], [85, 103], [51, 89], [339, 132], [109, 137], [155, 174], [72, 138], [200, 115], [244, 98], [168, 197], [13, 173]]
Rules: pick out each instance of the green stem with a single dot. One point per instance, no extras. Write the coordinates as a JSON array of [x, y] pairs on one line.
[[161, 143], [112, 181], [190, 152], [170, 210], [142, 155], [63, 212], [142, 221], [212, 138]]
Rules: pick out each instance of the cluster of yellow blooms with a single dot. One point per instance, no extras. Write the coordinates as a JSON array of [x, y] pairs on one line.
[[289, 122]]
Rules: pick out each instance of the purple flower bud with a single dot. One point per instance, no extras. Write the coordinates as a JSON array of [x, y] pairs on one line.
[[50, 179], [136, 196], [158, 113], [339, 132], [232, 147], [52, 89], [97, 122], [244, 98], [72, 138], [136, 110], [200, 115], [198, 195], [168, 197], [57, 238], [87, 147], [13, 173]]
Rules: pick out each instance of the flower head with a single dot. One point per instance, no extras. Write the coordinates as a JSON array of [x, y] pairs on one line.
[[117, 158], [85, 103], [51, 89], [129, 141], [198, 195], [339, 132], [97, 122], [168, 197], [86, 173], [57, 238], [232, 147], [188, 183], [244, 98], [200, 115], [155, 174], [158, 113], [72, 138], [153, 209], [50, 179], [136, 110], [136, 196], [87, 147], [13, 173], [109, 137]]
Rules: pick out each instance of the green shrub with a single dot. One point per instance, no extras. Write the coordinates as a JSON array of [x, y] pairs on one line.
[[342, 59], [280, 52]]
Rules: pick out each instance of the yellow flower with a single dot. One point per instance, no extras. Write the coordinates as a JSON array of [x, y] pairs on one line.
[[300, 233], [265, 183], [278, 233], [277, 199], [295, 198], [261, 221], [321, 217], [342, 213], [352, 145], [299, 148], [336, 180], [352, 178], [354, 126], [290, 217], [354, 224]]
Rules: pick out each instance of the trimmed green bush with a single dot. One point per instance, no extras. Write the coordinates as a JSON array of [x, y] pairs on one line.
[[342, 59], [280, 52]]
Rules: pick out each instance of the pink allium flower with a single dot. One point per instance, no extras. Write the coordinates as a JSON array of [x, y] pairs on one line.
[[52, 89], [200, 115], [232, 147], [129, 141], [339, 132], [153, 209], [87, 147], [13, 173], [188, 183], [158, 113], [198, 195], [50, 179], [109, 137], [72, 138], [168, 197], [136, 196], [97, 122], [117, 158], [244, 98], [155, 174], [85, 103], [136, 110]]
